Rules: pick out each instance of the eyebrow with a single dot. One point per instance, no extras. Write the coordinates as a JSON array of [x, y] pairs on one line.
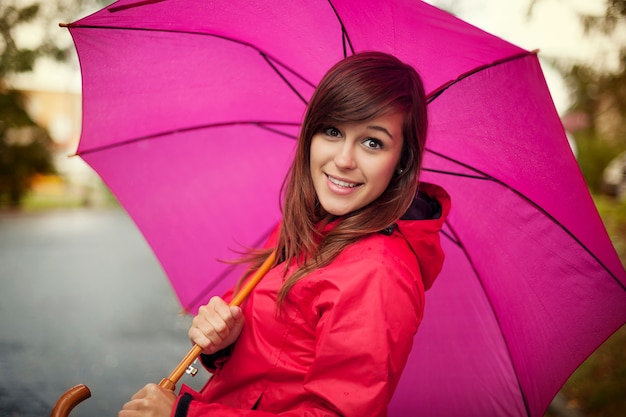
[[380, 129]]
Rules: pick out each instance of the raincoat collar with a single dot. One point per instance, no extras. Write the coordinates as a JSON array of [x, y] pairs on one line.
[[421, 227]]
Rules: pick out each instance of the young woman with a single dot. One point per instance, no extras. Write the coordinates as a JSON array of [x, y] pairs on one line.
[[328, 330]]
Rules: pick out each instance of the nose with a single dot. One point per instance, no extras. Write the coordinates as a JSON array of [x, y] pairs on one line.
[[345, 158]]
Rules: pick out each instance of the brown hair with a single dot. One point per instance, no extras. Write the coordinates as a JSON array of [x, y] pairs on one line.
[[358, 88]]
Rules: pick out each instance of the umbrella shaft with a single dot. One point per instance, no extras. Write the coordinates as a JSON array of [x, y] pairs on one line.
[[177, 373], [192, 355]]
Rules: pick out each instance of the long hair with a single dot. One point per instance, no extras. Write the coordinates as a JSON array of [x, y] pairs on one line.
[[358, 88]]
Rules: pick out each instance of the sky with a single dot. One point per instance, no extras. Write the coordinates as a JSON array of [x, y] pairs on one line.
[[553, 27]]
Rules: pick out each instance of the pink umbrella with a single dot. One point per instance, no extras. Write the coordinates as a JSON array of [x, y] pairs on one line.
[[191, 108]]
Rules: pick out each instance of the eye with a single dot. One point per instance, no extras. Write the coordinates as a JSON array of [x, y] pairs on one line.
[[332, 131], [372, 143]]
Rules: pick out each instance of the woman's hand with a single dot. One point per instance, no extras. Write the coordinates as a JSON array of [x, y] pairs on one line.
[[150, 401], [216, 326]]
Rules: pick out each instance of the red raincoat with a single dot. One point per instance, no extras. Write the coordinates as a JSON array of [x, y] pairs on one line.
[[343, 337]]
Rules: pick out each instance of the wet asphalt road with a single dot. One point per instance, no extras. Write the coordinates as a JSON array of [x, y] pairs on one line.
[[82, 300]]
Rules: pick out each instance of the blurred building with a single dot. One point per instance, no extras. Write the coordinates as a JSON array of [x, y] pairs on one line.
[[60, 113]]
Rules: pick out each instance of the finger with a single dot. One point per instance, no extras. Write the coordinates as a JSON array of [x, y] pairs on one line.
[[220, 324], [199, 338], [216, 320], [214, 324], [236, 312], [211, 324], [223, 311], [202, 331], [142, 393], [134, 406], [150, 400], [215, 307]]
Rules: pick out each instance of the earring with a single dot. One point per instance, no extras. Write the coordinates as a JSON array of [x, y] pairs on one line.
[[400, 171]]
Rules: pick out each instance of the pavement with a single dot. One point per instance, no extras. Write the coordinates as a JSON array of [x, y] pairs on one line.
[[83, 301]]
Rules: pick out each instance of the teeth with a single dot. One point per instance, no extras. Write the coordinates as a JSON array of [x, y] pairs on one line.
[[341, 183]]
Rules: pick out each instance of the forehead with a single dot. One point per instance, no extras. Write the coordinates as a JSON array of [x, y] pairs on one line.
[[390, 123]]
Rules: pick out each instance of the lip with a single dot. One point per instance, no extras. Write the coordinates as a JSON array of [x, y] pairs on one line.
[[340, 189]]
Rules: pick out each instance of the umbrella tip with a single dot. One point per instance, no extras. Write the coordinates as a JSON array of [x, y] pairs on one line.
[[535, 51], [64, 25]]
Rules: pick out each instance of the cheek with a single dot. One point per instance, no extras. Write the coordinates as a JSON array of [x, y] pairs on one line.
[[386, 176], [315, 152], [383, 174], [385, 171]]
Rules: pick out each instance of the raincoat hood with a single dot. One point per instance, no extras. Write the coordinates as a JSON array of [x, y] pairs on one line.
[[421, 226]]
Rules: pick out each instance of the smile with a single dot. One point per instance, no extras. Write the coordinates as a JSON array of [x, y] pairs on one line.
[[341, 183]]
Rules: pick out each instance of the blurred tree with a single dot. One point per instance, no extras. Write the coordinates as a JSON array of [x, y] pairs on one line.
[[599, 94], [14, 14], [25, 148], [21, 156]]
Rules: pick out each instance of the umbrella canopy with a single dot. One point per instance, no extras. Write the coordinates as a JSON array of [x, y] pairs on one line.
[[191, 109]]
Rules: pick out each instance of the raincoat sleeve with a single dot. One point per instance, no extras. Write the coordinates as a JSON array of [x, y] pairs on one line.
[[368, 316], [364, 315]]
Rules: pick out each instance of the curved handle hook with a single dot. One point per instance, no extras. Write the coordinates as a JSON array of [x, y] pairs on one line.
[[70, 399]]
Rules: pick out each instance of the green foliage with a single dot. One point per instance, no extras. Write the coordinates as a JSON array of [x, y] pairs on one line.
[[614, 15], [600, 95], [25, 150], [45, 15], [19, 162], [12, 57], [613, 213], [12, 113], [594, 154]]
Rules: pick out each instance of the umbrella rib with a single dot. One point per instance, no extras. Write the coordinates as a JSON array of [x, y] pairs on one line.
[[201, 296], [191, 32], [451, 238], [456, 174], [278, 132], [479, 174], [458, 242], [484, 176], [430, 97], [344, 33], [132, 5], [260, 124], [280, 74]]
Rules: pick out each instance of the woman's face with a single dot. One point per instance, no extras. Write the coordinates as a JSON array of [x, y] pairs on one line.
[[352, 163]]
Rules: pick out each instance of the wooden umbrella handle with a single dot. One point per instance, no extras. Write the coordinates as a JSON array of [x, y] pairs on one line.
[[70, 399], [192, 355]]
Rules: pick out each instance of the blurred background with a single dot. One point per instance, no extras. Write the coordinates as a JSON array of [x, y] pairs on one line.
[[82, 299]]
